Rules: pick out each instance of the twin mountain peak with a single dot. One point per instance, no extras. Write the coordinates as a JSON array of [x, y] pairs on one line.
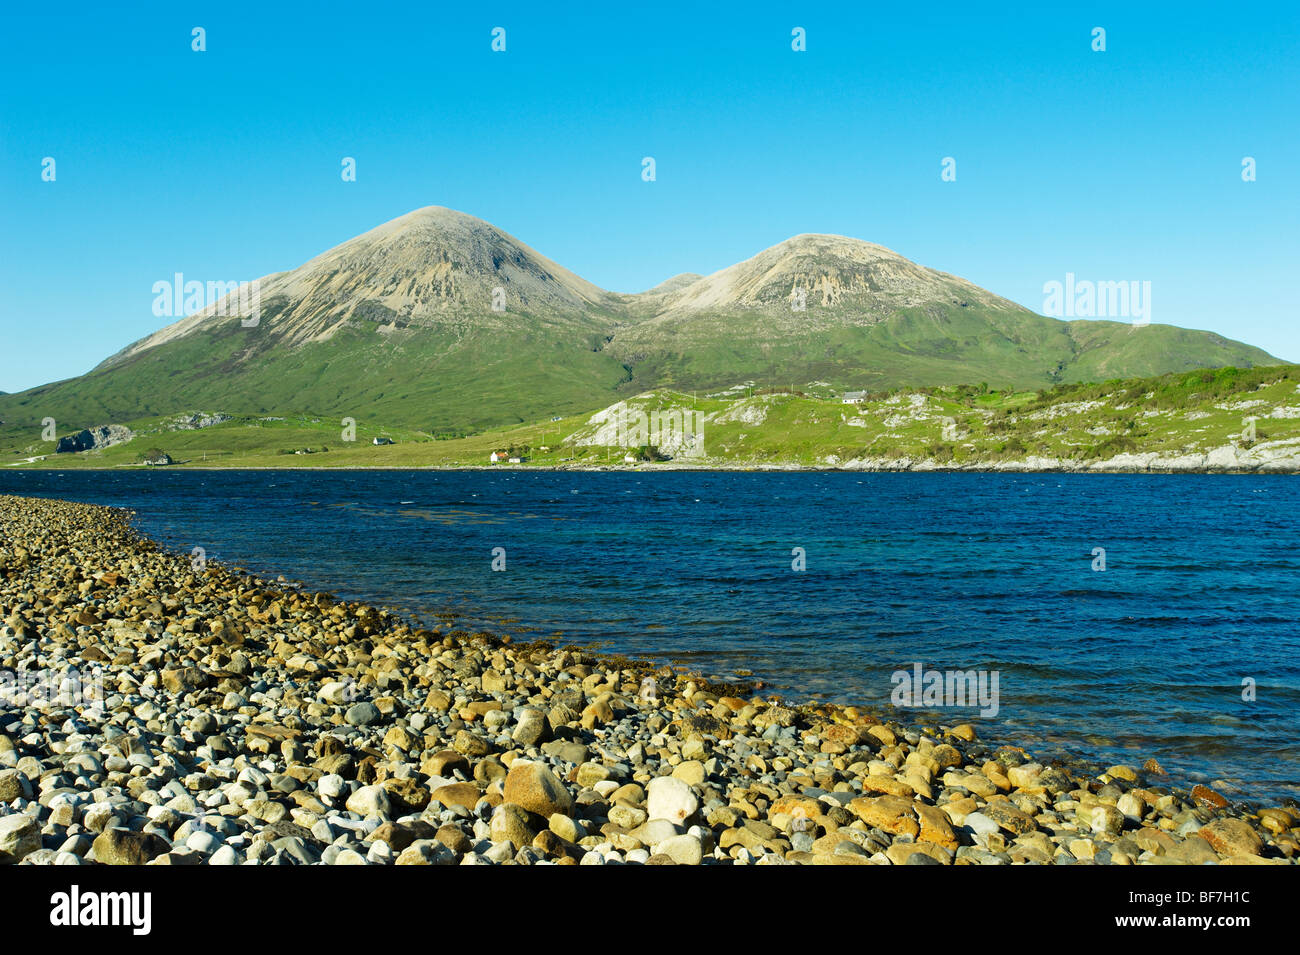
[[439, 318]]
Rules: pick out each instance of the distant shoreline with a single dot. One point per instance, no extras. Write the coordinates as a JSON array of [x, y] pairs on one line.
[[1008, 468]]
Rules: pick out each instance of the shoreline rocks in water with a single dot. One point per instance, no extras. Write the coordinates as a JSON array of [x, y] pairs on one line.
[[234, 721]]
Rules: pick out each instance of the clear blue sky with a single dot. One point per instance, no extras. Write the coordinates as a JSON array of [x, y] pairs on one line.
[[1123, 165]]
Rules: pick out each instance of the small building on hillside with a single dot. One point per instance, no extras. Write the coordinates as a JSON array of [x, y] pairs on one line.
[[497, 456], [382, 441], [853, 397]]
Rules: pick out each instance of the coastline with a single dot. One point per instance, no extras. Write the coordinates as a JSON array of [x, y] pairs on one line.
[[926, 467], [273, 724]]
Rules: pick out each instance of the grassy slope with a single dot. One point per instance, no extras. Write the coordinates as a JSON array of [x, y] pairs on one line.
[[1189, 413], [1170, 414], [938, 345], [445, 378]]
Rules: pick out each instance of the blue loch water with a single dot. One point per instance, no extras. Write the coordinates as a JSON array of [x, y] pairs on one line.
[[950, 571]]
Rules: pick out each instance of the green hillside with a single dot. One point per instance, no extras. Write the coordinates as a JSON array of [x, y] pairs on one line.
[[1228, 418], [918, 347], [452, 379], [466, 379]]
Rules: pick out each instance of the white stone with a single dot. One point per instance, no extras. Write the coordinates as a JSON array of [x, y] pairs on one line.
[[203, 841], [684, 849], [671, 799], [1131, 806], [95, 816], [335, 692], [330, 786], [19, 836], [980, 824], [254, 776], [369, 801], [500, 852], [225, 856]]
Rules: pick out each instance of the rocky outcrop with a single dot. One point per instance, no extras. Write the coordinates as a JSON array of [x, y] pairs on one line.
[[92, 439], [1281, 457], [193, 422]]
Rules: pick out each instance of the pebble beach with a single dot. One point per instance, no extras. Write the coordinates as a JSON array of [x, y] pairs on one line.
[[155, 710]]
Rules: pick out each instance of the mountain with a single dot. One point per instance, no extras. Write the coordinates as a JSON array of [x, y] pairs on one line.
[[442, 322], [397, 324], [872, 319], [671, 285], [430, 269], [863, 281]]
